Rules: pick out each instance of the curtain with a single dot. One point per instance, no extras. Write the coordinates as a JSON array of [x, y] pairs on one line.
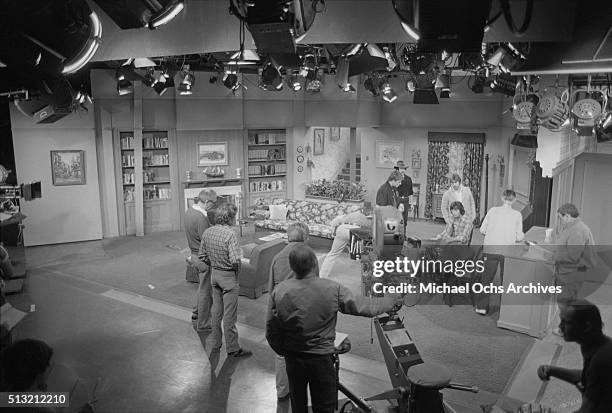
[[473, 155], [437, 170]]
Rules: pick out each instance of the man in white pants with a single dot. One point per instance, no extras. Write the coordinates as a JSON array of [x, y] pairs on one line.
[[343, 224]]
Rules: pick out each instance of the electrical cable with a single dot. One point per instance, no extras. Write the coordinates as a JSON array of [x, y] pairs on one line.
[[505, 5]]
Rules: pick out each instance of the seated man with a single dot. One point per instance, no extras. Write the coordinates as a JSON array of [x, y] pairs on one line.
[[342, 225], [459, 227], [581, 322]]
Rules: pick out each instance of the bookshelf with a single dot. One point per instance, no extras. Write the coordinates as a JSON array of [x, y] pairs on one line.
[[266, 164], [145, 167]]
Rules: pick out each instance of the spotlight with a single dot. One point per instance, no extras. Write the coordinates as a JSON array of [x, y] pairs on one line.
[[309, 65], [388, 94], [270, 78], [244, 58], [119, 75], [230, 81], [294, 83], [185, 89], [391, 63], [410, 86], [124, 87], [166, 14], [160, 88], [188, 77], [504, 83], [314, 82]]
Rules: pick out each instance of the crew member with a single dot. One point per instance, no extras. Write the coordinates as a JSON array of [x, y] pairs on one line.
[[581, 323], [297, 234], [342, 226], [387, 193], [574, 254], [220, 250], [458, 192], [196, 222], [301, 326], [502, 226], [404, 190]]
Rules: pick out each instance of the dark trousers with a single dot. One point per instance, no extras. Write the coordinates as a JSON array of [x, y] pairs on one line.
[[490, 269], [318, 374]]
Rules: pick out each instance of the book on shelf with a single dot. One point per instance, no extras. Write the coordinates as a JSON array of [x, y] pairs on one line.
[[267, 169], [127, 142], [156, 160], [128, 177], [128, 194], [271, 154], [267, 186], [155, 142], [267, 138], [127, 160]]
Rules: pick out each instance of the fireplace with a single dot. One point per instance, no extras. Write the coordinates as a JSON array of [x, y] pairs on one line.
[[229, 189]]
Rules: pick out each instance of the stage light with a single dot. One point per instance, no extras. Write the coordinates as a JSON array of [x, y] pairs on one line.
[[342, 72], [160, 88], [119, 75], [230, 81], [124, 87], [388, 94], [150, 79], [166, 14], [410, 87], [309, 64], [294, 83], [504, 83], [391, 63], [185, 89], [187, 76], [270, 78]]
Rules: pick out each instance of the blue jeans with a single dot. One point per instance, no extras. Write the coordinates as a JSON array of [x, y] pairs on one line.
[[224, 309]]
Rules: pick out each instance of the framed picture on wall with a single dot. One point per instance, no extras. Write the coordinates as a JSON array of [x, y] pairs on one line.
[[416, 163], [319, 141], [212, 154], [388, 153], [68, 167]]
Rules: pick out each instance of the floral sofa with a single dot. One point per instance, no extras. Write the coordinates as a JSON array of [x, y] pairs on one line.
[[317, 215]]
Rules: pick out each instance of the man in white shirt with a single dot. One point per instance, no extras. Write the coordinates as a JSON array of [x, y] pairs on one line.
[[459, 193], [502, 228]]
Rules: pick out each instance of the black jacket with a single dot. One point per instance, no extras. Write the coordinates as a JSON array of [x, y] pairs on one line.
[[386, 196]]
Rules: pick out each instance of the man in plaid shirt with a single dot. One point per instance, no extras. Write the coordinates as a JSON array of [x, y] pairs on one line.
[[458, 228], [220, 250]]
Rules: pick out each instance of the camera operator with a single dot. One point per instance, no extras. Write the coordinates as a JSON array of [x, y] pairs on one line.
[[301, 326]]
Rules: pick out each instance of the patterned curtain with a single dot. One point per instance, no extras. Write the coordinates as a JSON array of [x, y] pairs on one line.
[[437, 168], [473, 155]]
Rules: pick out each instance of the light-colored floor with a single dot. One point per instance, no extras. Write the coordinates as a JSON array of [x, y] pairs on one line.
[[119, 310]]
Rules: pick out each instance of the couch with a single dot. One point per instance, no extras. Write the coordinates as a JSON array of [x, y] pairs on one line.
[[317, 215], [255, 271]]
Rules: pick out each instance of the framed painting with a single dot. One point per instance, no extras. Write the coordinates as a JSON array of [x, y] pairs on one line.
[[68, 167], [388, 153], [212, 154], [334, 134], [319, 141], [416, 163]]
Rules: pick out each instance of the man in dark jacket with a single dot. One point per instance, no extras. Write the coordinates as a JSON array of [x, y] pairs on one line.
[[196, 222], [301, 326], [404, 190], [387, 193]]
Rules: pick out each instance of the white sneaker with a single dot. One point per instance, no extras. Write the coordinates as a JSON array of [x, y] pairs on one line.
[[480, 311]]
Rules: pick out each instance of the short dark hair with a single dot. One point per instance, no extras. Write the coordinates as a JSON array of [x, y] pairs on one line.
[[569, 209], [586, 312], [455, 178], [22, 361], [458, 205], [395, 176], [225, 214], [509, 195], [302, 260]]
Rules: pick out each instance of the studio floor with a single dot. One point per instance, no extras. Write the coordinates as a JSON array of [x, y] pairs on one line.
[[117, 312]]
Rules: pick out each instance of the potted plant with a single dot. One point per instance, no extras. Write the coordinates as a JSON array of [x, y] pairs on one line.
[[338, 190]]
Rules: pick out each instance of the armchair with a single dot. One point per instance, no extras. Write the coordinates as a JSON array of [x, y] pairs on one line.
[[255, 272]]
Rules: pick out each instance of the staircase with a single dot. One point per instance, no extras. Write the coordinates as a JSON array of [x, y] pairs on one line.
[[345, 173]]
